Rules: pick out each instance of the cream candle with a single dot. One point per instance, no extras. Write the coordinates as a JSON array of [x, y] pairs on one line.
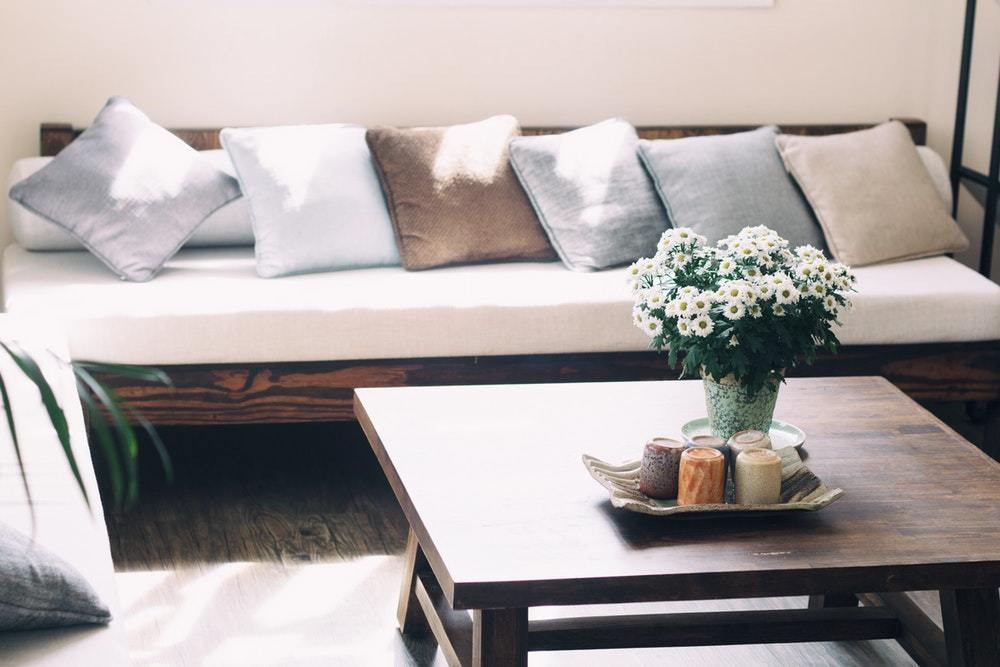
[[757, 477], [702, 478], [750, 439], [661, 460]]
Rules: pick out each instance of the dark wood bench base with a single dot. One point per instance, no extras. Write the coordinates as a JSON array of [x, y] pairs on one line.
[[323, 390]]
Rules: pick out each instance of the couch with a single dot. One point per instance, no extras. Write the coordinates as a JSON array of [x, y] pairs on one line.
[[64, 525], [244, 349]]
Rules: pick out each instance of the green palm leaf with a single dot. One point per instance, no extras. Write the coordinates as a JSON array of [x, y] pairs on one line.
[[12, 427], [57, 417]]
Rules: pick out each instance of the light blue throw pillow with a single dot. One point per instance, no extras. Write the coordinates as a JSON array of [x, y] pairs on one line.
[[315, 197], [591, 193], [717, 185]]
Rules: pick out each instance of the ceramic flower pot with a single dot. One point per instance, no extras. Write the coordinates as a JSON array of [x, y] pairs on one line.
[[732, 408]]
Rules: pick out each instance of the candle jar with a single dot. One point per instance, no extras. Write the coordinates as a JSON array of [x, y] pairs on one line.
[[661, 460], [708, 441], [702, 479], [750, 439], [758, 477]]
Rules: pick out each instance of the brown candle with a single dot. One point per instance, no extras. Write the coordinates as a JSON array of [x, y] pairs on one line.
[[661, 460], [702, 479]]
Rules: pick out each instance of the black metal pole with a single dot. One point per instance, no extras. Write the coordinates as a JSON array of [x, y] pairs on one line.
[[958, 139], [992, 194]]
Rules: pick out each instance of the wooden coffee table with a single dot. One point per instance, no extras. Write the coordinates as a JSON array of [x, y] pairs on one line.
[[504, 517]]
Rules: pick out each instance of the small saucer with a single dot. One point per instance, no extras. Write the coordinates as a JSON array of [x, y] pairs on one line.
[[782, 434]]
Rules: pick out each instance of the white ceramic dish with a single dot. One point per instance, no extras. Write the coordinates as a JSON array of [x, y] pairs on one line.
[[782, 434]]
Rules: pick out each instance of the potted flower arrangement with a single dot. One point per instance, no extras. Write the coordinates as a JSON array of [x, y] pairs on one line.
[[738, 314]]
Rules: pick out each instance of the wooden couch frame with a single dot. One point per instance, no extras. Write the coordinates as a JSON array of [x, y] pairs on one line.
[[322, 390]]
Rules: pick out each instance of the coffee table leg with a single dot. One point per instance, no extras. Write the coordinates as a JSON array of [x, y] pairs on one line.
[[500, 638], [409, 615], [833, 600], [971, 626]]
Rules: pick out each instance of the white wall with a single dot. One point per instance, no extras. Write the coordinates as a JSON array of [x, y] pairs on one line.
[[218, 62]]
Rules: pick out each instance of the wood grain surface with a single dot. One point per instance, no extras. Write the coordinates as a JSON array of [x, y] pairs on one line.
[[323, 390], [489, 479], [53, 137]]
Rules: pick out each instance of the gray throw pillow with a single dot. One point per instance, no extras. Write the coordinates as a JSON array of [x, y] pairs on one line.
[[717, 185], [40, 590], [594, 199], [128, 190]]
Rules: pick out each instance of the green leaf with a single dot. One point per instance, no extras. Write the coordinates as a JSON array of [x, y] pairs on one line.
[[57, 417], [108, 445], [161, 449], [9, 412], [126, 434], [144, 373]]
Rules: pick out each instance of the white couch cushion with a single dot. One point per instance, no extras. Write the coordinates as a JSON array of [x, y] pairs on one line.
[[64, 524], [208, 306]]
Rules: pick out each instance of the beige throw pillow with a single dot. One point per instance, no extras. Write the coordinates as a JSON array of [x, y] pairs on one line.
[[872, 195]]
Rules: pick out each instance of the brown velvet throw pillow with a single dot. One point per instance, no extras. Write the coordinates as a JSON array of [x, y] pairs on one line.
[[453, 196]]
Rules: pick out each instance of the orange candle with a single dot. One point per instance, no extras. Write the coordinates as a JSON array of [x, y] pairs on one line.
[[702, 478]]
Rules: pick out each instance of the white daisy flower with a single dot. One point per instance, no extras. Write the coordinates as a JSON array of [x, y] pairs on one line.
[[733, 341], [734, 310], [779, 279], [687, 291], [684, 327], [727, 266], [764, 289], [635, 269], [634, 285], [805, 271], [735, 290], [681, 306], [701, 303], [786, 293], [652, 326], [830, 304], [653, 298], [806, 252], [702, 326], [681, 259], [778, 310], [818, 289], [755, 311], [752, 272], [638, 317]]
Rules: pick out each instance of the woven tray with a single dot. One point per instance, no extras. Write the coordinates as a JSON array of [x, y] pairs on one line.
[[801, 490]]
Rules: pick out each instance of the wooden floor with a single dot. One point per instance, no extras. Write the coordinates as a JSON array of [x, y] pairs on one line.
[[281, 545]]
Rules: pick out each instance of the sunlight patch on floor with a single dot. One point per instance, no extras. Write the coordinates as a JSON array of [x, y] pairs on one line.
[[263, 613]]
